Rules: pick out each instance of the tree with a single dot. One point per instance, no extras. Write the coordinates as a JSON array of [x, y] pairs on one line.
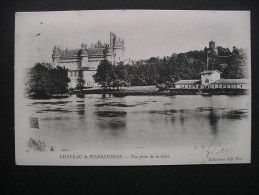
[[237, 68], [45, 80], [121, 74], [105, 74], [80, 82], [40, 81], [60, 79]]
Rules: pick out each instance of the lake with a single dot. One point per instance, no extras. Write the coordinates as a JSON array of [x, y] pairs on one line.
[[95, 122]]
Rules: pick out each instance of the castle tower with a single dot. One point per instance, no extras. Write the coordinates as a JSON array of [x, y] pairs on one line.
[[111, 39], [56, 56], [123, 50], [212, 54], [117, 48], [212, 45], [83, 56]]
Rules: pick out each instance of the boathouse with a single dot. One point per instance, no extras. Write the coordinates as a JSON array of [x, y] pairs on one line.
[[230, 83], [185, 84], [212, 79]]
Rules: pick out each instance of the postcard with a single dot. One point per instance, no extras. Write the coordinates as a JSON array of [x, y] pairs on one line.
[[132, 87]]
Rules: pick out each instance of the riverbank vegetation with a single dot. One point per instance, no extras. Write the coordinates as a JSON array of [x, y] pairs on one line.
[[108, 75], [170, 69], [44, 80]]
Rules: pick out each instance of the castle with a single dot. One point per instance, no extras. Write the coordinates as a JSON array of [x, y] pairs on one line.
[[88, 58]]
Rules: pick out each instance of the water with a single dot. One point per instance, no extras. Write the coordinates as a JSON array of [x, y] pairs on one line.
[[101, 123]]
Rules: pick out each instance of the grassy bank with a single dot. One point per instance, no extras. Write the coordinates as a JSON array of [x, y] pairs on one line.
[[152, 90]]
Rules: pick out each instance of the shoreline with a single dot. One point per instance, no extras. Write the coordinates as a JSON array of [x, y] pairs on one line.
[[224, 91], [149, 91]]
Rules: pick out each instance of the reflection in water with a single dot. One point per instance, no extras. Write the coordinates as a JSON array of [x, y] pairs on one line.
[[80, 109], [106, 95], [51, 103], [61, 110], [139, 121], [213, 121], [80, 95], [182, 116], [235, 114], [114, 121], [110, 113]]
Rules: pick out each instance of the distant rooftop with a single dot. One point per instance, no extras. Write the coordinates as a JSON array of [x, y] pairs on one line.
[[231, 81], [187, 82], [210, 72]]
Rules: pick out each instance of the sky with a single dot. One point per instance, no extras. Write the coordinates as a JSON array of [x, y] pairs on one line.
[[146, 33]]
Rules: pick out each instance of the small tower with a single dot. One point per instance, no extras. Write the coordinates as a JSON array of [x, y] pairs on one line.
[[111, 39], [212, 45], [118, 48], [83, 55], [56, 56], [123, 49]]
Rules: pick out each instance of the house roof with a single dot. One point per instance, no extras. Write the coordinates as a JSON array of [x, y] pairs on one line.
[[210, 72], [231, 81], [187, 82]]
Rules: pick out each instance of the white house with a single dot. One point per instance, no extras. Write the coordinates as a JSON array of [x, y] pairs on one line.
[[209, 76]]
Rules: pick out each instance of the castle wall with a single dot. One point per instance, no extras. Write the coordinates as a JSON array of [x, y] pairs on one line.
[[70, 65], [84, 61], [73, 77], [89, 80], [93, 63], [88, 77]]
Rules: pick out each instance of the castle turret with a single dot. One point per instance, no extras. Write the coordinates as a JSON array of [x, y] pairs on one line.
[[56, 56], [212, 47], [123, 50], [118, 48], [111, 39]]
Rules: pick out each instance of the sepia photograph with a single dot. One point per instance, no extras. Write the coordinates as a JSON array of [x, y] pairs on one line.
[[132, 87]]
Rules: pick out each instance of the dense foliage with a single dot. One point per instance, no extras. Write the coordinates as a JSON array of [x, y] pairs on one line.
[[109, 75], [232, 64], [105, 74], [44, 79], [167, 70]]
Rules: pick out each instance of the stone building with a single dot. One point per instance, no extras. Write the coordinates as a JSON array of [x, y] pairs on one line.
[[88, 58], [212, 79]]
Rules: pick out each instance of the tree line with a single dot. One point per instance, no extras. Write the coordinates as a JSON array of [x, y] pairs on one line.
[[44, 79], [170, 69]]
